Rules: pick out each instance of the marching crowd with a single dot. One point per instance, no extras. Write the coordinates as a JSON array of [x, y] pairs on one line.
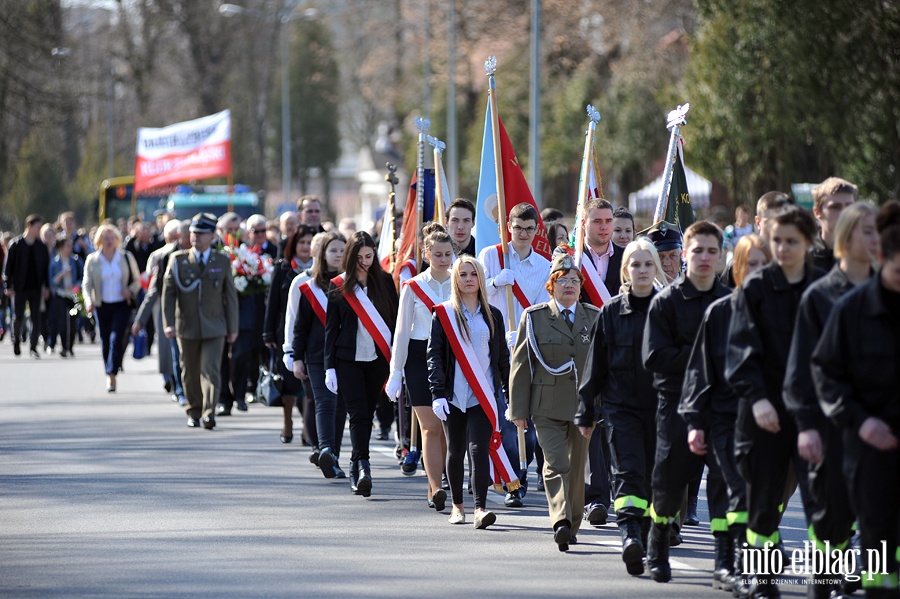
[[767, 353]]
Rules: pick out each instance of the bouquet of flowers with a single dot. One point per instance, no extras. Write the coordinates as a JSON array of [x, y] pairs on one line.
[[252, 270], [78, 309]]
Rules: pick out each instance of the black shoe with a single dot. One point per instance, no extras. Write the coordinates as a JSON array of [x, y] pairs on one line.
[[338, 471], [63, 354], [35, 354], [314, 457], [223, 410], [167, 384], [513, 499], [439, 500], [354, 477], [469, 487], [383, 435], [193, 423], [17, 349], [445, 484], [691, 519], [241, 405], [562, 534], [632, 549], [326, 463], [209, 423], [364, 484], [573, 540], [286, 438], [675, 538], [596, 514], [658, 553], [410, 463], [540, 484]]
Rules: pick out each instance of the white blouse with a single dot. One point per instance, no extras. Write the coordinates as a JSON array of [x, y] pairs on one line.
[[111, 278], [414, 317]]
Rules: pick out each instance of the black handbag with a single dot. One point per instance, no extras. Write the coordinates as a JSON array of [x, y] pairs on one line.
[[268, 388]]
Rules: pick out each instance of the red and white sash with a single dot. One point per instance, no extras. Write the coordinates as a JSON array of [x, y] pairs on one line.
[[464, 354], [410, 266], [424, 292], [593, 283], [517, 291], [316, 298], [368, 316]]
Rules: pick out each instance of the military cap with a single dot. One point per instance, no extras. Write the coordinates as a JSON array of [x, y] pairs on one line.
[[562, 261], [203, 223], [664, 236]]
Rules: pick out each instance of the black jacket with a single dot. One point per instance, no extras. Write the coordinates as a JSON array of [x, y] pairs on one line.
[[309, 334], [705, 396], [614, 369], [341, 325], [672, 323], [855, 364], [613, 280], [765, 309], [17, 264], [276, 303], [815, 307], [822, 257], [442, 362]]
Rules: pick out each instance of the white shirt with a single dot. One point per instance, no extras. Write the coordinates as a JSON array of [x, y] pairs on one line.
[[480, 337], [290, 312], [365, 345], [531, 274], [111, 279], [414, 317]]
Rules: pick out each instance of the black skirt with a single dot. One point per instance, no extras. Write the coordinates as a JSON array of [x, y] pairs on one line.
[[416, 373]]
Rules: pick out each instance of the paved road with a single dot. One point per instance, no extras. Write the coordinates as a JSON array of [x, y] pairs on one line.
[[113, 496]]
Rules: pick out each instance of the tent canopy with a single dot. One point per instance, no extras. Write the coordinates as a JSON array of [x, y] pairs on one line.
[[644, 200]]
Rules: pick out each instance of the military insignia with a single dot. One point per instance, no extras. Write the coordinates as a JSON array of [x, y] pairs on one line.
[[663, 227], [585, 338]]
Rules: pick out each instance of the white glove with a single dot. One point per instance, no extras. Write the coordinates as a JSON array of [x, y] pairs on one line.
[[331, 380], [440, 408], [394, 382], [504, 277], [288, 359], [511, 337]]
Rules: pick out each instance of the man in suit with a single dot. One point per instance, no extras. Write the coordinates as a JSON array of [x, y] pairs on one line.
[[200, 308], [606, 257], [543, 384]]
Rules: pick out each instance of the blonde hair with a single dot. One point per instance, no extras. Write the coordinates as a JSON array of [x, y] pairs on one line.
[[103, 229], [850, 218], [456, 295], [745, 245], [641, 244]]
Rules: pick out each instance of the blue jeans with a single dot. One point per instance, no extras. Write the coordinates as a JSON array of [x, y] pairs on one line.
[[176, 367], [112, 319]]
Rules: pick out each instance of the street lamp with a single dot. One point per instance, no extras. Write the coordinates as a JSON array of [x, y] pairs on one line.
[[284, 16]]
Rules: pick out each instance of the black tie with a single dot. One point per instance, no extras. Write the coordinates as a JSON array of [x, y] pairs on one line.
[[201, 261], [567, 315]]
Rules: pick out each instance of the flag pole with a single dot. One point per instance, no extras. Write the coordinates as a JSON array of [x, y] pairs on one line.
[[439, 148], [422, 124], [674, 122], [594, 117], [391, 178], [490, 66]]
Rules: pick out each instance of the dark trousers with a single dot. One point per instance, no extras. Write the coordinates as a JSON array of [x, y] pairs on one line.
[[63, 322], [676, 467], [764, 460], [596, 489], [307, 409], [331, 411], [631, 434], [826, 501], [361, 384], [468, 430], [238, 364], [722, 444], [33, 299], [112, 320], [874, 480]]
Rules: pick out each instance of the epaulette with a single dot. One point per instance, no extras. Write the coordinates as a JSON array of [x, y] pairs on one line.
[[536, 307], [589, 307]]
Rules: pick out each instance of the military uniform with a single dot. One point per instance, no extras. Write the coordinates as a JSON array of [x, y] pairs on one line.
[[200, 301], [551, 399]]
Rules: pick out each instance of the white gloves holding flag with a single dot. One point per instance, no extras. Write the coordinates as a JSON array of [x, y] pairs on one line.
[[288, 359], [331, 380], [394, 382], [504, 277], [440, 408], [511, 337]]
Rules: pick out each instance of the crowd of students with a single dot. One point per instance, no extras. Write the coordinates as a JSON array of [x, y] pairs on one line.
[[640, 361]]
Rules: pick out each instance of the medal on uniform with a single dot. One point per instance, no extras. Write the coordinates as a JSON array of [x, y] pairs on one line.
[[585, 338]]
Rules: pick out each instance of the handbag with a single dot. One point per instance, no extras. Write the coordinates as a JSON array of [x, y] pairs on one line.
[[141, 345], [268, 388]]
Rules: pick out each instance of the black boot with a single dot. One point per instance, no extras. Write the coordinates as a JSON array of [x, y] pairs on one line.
[[723, 574], [632, 548], [364, 484], [741, 589], [354, 477], [658, 552], [646, 523], [764, 585]]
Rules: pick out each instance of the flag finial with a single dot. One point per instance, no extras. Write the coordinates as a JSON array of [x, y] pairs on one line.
[[437, 144], [593, 114], [676, 117], [422, 124], [490, 65]]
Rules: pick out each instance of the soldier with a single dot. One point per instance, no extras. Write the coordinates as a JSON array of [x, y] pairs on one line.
[[200, 308]]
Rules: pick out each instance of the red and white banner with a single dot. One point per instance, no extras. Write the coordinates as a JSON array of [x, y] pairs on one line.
[[593, 285], [197, 149], [502, 470], [368, 316], [517, 290]]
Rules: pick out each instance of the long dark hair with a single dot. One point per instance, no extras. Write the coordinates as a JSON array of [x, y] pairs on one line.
[[377, 281], [290, 248], [320, 273]]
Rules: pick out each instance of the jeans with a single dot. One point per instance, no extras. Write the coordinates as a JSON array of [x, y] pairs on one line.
[[331, 410], [112, 319], [176, 366]]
